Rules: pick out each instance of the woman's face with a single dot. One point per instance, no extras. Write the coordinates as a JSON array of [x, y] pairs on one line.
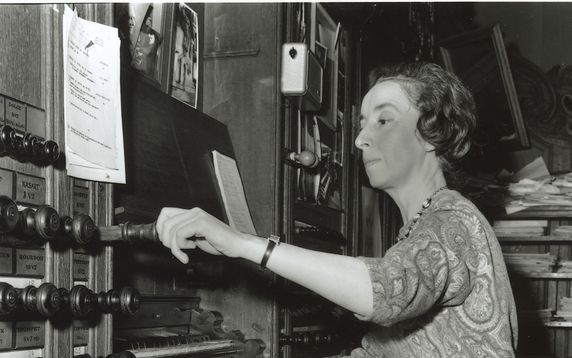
[[390, 144]]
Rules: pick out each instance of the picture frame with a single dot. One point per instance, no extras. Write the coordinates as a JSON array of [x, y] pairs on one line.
[[322, 43], [185, 50], [144, 32], [479, 58]]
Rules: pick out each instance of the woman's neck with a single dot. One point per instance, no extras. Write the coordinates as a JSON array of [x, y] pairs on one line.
[[410, 197]]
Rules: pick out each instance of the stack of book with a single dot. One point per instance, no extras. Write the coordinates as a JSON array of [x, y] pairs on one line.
[[520, 227], [530, 263]]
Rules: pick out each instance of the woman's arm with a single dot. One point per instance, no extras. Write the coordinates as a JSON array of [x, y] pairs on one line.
[[341, 279]]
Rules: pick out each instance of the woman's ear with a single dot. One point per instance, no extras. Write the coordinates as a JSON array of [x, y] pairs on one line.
[[426, 145]]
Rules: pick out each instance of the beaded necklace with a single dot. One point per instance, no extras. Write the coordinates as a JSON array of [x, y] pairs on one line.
[[424, 206]]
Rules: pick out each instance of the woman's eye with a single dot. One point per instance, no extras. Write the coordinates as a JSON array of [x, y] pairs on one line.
[[382, 121]]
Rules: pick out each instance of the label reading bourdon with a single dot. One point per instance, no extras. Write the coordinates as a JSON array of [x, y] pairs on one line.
[[30, 262]]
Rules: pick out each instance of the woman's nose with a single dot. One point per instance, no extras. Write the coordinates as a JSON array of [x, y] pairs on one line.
[[361, 141]]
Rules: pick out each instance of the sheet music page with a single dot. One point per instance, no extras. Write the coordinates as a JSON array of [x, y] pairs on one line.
[[92, 100], [232, 193]]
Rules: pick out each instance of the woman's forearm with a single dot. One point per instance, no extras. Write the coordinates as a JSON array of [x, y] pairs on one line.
[[343, 280]]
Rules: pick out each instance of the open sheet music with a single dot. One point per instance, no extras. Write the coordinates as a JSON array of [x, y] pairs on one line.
[[232, 193]]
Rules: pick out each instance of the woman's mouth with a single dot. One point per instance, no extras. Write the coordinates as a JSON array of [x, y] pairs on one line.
[[370, 162]]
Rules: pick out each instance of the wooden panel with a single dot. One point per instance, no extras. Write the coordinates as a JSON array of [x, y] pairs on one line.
[[21, 51], [240, 89]]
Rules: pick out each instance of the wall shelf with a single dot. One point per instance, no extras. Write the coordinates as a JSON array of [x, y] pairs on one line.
[[546, 239]]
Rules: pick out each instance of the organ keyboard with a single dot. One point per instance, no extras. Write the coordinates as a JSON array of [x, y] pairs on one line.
[[191, 346]]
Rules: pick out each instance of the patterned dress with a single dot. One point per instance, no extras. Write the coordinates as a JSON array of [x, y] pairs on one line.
[[443, 291]]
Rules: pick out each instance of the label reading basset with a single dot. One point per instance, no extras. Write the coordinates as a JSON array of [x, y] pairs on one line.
[[29, 334], [30, 262], [16, 115], [80, 267], [6, 183], [6, 260], [30, 190], [80, 200]]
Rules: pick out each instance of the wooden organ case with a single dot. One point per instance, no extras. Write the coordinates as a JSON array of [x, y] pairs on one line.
[[58, 293], [141, 301]]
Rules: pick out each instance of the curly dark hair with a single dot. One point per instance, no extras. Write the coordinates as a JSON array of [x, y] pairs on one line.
[[448, 113]]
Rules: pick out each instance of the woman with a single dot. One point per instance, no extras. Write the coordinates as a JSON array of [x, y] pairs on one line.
[[442, 290]]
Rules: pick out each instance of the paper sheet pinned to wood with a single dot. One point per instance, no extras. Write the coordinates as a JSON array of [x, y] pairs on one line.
[[92, 100], [232, 192]]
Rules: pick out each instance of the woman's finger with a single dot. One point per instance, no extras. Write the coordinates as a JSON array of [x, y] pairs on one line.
[[164, 216], [179, 254]]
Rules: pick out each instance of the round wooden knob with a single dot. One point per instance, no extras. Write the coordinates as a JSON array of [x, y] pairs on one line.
[[48, 299], [9, 215], [130, 300], [30, 143], [82, 300], [109, 301], [47, 222], [305, 158], [51, 151], [8, 298], [7, 138], [83, 229], [27, 221], [27, 298]]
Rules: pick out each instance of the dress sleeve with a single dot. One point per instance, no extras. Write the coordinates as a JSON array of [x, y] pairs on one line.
[[434, 266]]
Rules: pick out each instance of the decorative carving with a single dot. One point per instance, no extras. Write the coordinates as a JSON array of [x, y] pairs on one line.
[[535, 94], [561, 78]]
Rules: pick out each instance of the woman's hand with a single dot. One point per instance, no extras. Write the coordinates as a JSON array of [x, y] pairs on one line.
[[187, 229]]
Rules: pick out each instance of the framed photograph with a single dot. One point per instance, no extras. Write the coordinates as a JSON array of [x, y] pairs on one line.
[[142, 29], [321, 52], [184, 84], [322, 44], [479, 58]]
